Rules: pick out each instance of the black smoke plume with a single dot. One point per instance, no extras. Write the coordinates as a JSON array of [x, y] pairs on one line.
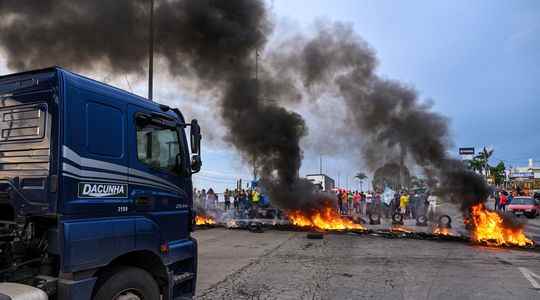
[[388, 117], [212, 42]]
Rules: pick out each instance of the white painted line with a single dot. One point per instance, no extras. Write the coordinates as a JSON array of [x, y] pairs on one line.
[[529, 275]]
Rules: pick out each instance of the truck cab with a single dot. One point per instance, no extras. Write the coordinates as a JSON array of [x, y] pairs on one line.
[[95, 191]]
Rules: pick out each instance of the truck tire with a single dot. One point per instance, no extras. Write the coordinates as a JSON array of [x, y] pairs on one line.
[[127, 283]]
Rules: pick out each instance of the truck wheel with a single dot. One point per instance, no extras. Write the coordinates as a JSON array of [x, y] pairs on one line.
[[127, 283]]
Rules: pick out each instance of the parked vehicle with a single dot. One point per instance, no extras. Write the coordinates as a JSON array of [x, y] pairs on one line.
[[527, 206], [95, 192]]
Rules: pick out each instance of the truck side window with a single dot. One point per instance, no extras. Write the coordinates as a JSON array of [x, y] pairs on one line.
[[157, 146]]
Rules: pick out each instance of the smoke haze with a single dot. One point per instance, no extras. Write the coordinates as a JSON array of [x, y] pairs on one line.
[[213, 43]]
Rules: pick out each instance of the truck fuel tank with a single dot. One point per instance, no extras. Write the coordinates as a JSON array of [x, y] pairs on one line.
[[16, 291]]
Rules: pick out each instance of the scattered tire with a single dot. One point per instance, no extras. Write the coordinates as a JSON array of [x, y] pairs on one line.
[[374, 219], [530, 216], [445, 221], [397, 219], [255, 227], [421, 220], [125, 282], [315, 236]]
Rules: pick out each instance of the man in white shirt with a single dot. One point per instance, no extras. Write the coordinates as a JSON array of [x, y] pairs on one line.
[[369, 200], [432, 207]]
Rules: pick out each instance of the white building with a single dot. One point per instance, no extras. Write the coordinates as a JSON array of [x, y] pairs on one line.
[[527, 178]]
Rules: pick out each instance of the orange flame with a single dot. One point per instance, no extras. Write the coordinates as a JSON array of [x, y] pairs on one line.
[[204, 220], [327, 219], [488, 227], [442, 231], [401, 229]]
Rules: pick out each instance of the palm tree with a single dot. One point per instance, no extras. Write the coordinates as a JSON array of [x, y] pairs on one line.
[[476, 164], [484, 156], [360, 177]]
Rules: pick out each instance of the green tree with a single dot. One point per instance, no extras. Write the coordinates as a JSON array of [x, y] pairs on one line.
[[498, 173], [476, 164]]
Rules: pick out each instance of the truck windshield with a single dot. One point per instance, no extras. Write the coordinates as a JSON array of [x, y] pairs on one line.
[[157, 146]]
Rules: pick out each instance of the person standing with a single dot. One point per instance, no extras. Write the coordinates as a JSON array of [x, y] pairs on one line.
[[497, 200], [255, 197], [236, 200], [362, 202], [211, 199], [344, 201], [502, 201], [403, 203], [203, 198], [350, 202], [377, 202], [340, 202], [356, 199], [432, 206], [369, 202], [227, 199], [411, 208]]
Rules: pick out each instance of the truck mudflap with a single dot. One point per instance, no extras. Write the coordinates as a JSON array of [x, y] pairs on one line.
[[72, 289]]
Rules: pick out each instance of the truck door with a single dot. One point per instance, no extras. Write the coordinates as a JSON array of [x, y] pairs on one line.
[[156, 186]]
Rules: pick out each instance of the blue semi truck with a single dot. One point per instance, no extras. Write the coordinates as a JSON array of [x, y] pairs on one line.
[[95, 192]]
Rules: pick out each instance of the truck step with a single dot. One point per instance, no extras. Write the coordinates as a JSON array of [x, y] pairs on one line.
[[182, 277]]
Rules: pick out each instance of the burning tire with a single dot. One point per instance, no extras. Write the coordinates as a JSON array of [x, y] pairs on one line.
[[374, 219], [397, 219], [445, 221], [421, 220]]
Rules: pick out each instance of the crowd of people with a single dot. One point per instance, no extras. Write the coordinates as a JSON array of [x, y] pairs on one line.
[[237, 199], [410, 205], [382, 202], [503, 198]]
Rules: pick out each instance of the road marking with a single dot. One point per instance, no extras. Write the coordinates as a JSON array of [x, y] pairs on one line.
[[528, 274]]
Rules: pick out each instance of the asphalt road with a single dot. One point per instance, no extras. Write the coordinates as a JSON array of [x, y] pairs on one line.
[[236, 264]]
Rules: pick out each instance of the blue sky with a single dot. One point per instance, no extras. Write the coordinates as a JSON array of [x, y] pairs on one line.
[[479, 61]]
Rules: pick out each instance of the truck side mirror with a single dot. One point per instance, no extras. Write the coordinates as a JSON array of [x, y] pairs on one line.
[[196, 164], [195, 138]]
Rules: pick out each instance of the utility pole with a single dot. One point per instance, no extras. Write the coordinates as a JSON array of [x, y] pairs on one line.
[[256, 101], [320, 164], [151, 53], [402, 168]]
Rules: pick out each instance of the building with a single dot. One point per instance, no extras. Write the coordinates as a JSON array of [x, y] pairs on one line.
[[324, 182], [526, 179]]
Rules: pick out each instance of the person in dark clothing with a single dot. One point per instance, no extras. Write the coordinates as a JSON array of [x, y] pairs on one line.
[[236, 201], [227, 199]]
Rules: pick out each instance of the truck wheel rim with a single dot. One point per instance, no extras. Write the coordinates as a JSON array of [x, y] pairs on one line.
[[129, 294]]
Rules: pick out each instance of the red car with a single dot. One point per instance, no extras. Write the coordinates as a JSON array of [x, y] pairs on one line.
[[527, 206]]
